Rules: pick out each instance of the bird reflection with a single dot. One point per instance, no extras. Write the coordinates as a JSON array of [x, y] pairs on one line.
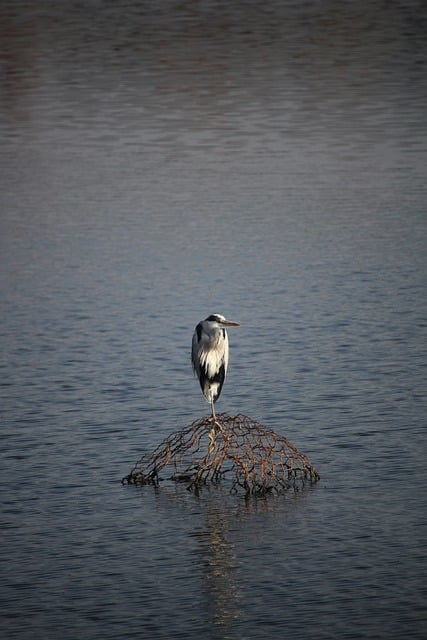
[[221, 525], [219, 564]]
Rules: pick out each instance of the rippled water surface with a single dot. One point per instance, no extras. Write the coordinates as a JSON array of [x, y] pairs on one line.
[[161, 161]]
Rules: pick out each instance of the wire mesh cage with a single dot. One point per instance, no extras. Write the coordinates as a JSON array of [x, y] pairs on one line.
[[235, 450]]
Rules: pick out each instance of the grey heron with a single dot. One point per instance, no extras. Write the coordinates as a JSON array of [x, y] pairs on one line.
[[209, 355]]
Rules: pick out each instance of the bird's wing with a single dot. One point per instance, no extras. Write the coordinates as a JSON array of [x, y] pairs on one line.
[[195, 361]]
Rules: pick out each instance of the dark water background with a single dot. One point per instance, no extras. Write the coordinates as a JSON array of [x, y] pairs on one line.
[[160, 161]]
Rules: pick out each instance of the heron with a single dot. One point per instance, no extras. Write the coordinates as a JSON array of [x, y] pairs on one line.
[[209, 356]]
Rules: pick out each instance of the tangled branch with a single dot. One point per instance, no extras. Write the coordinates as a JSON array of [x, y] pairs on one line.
[[251, 457]]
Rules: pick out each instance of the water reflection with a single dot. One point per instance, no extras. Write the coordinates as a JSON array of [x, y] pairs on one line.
[[224, 526], [218, 562]]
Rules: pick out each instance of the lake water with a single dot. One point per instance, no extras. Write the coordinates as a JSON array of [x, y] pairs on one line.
[[161, 161]]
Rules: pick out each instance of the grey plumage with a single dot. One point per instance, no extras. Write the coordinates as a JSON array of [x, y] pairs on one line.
[[209, 355]]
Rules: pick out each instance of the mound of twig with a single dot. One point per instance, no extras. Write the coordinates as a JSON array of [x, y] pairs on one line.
[[251, 457]]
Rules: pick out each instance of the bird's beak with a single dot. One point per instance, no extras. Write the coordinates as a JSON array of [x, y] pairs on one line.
[[230, 323]]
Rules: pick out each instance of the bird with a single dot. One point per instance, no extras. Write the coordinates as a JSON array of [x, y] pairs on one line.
[[209, 355]]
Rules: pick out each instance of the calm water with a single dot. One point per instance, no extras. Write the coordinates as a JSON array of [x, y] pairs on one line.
[[162, 161]]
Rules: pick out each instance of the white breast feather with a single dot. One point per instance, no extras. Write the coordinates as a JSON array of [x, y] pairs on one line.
[[212, 355]]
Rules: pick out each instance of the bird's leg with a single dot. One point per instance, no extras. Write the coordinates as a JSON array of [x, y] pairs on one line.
[[213, 432]]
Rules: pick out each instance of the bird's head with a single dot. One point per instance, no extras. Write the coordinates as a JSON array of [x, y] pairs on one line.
[[219, 321]]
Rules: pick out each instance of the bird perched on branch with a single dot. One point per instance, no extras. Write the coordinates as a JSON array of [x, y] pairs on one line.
[[209, 355]]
